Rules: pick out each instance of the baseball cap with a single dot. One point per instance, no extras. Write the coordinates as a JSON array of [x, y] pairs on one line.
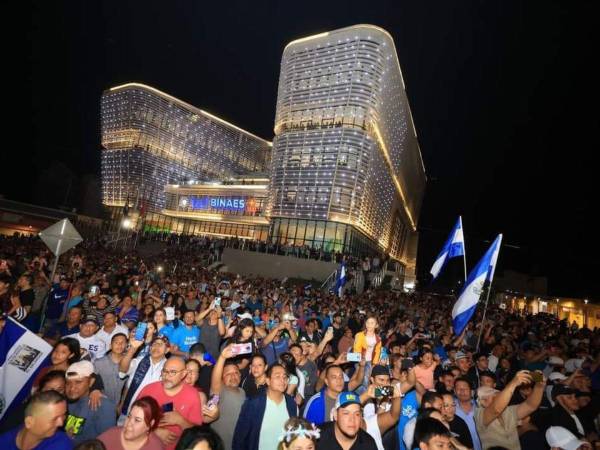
[[245, 315], [89, 318], [486, 391], [556, 361], [379, 369], [562, 438], [556, 376], [288, 316], [80, 369], [561, 389], [234, 305], [161, 337], [460, 355], [346, 398]]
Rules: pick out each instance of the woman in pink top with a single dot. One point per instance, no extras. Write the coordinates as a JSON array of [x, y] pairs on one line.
[[424, 370], [137, 433]]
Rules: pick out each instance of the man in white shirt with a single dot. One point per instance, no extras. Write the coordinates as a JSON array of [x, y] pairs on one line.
[[109, 328], [88, 340], [141, 371]]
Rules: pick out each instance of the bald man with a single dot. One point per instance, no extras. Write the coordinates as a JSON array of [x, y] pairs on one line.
[[180, 402], [44, 414]]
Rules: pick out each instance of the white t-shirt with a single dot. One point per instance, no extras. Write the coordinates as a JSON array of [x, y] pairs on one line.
[[106, 337], [370, 415], [93, 345]]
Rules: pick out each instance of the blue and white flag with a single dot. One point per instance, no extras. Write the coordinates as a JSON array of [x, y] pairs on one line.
[[341, 281], [22, 355], [454, 246], [469, 296]]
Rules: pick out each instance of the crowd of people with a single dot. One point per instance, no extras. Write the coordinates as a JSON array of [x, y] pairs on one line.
[[163, 353]]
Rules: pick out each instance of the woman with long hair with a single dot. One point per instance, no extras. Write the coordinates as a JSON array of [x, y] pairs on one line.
[[368, 344], [66, 352], [296, 381], [243, 334]]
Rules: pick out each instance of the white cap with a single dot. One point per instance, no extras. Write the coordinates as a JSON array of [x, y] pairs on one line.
[[554, 376], [245, 315], [562, 438], [80, 369], [288, 316], [556, 361]]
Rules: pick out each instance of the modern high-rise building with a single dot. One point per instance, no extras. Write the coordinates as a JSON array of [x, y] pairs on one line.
[[151, 139], [346, 170], [344, 173]]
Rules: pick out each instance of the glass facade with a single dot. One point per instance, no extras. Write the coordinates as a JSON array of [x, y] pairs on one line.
[[321, 235], [345, 148], [150, 139]]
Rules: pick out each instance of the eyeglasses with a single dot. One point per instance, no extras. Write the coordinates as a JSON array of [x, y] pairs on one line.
[[171, 373]]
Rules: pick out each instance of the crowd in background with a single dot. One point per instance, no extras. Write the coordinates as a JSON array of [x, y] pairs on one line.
[[163, 353]]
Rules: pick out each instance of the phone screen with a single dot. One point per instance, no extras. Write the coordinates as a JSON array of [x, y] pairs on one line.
[[140, 331], [241, 349]]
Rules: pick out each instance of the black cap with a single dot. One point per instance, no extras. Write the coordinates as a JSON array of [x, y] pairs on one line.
[[380, 370], [89, 318], [561, 389]]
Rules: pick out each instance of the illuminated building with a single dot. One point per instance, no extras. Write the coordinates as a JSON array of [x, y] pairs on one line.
[[150, 139], [234, 207], [346, 172]]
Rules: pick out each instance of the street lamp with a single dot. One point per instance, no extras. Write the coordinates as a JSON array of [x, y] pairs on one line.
[[126, 223], [585, 312], [557, 316]]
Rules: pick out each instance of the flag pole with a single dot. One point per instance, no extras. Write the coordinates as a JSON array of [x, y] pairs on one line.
[[487, 298], [464, 247]]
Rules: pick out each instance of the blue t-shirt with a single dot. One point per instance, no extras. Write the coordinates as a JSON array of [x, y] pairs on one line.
[[274, 349], [56, 302], [184, 338], [167, 330], [410, 408], [58, 441]]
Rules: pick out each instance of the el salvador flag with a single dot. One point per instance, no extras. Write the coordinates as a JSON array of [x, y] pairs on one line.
[[468, 298], [341, 281], [22, 355], [454, 246]]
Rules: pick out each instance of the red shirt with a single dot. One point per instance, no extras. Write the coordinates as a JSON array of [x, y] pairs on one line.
[[186, 402]]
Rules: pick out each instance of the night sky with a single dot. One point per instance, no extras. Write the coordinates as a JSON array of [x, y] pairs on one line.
[[503, 96]]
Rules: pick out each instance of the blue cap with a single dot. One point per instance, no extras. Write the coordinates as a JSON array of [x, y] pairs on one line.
[[346, 398]]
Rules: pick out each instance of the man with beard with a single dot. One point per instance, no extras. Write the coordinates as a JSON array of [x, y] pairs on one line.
[[82, 422], [345, 431]]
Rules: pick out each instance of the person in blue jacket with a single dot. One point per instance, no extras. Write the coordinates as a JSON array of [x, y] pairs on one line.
[[263, 417]]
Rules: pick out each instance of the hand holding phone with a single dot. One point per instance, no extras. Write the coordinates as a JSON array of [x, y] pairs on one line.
[[140, 331], [353, 357], [384, 391], [170, 312], [241, 349]]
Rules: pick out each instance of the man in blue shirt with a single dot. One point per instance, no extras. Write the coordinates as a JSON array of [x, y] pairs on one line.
[[44, 414], [185, 335], [69, 326], [56, 301]]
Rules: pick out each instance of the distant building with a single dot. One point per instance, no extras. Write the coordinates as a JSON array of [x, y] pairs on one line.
[[344, 173], [150, 139], [346, 170]]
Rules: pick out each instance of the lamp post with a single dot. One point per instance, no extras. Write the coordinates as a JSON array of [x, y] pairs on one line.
[[557, 315], [585, 313]]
